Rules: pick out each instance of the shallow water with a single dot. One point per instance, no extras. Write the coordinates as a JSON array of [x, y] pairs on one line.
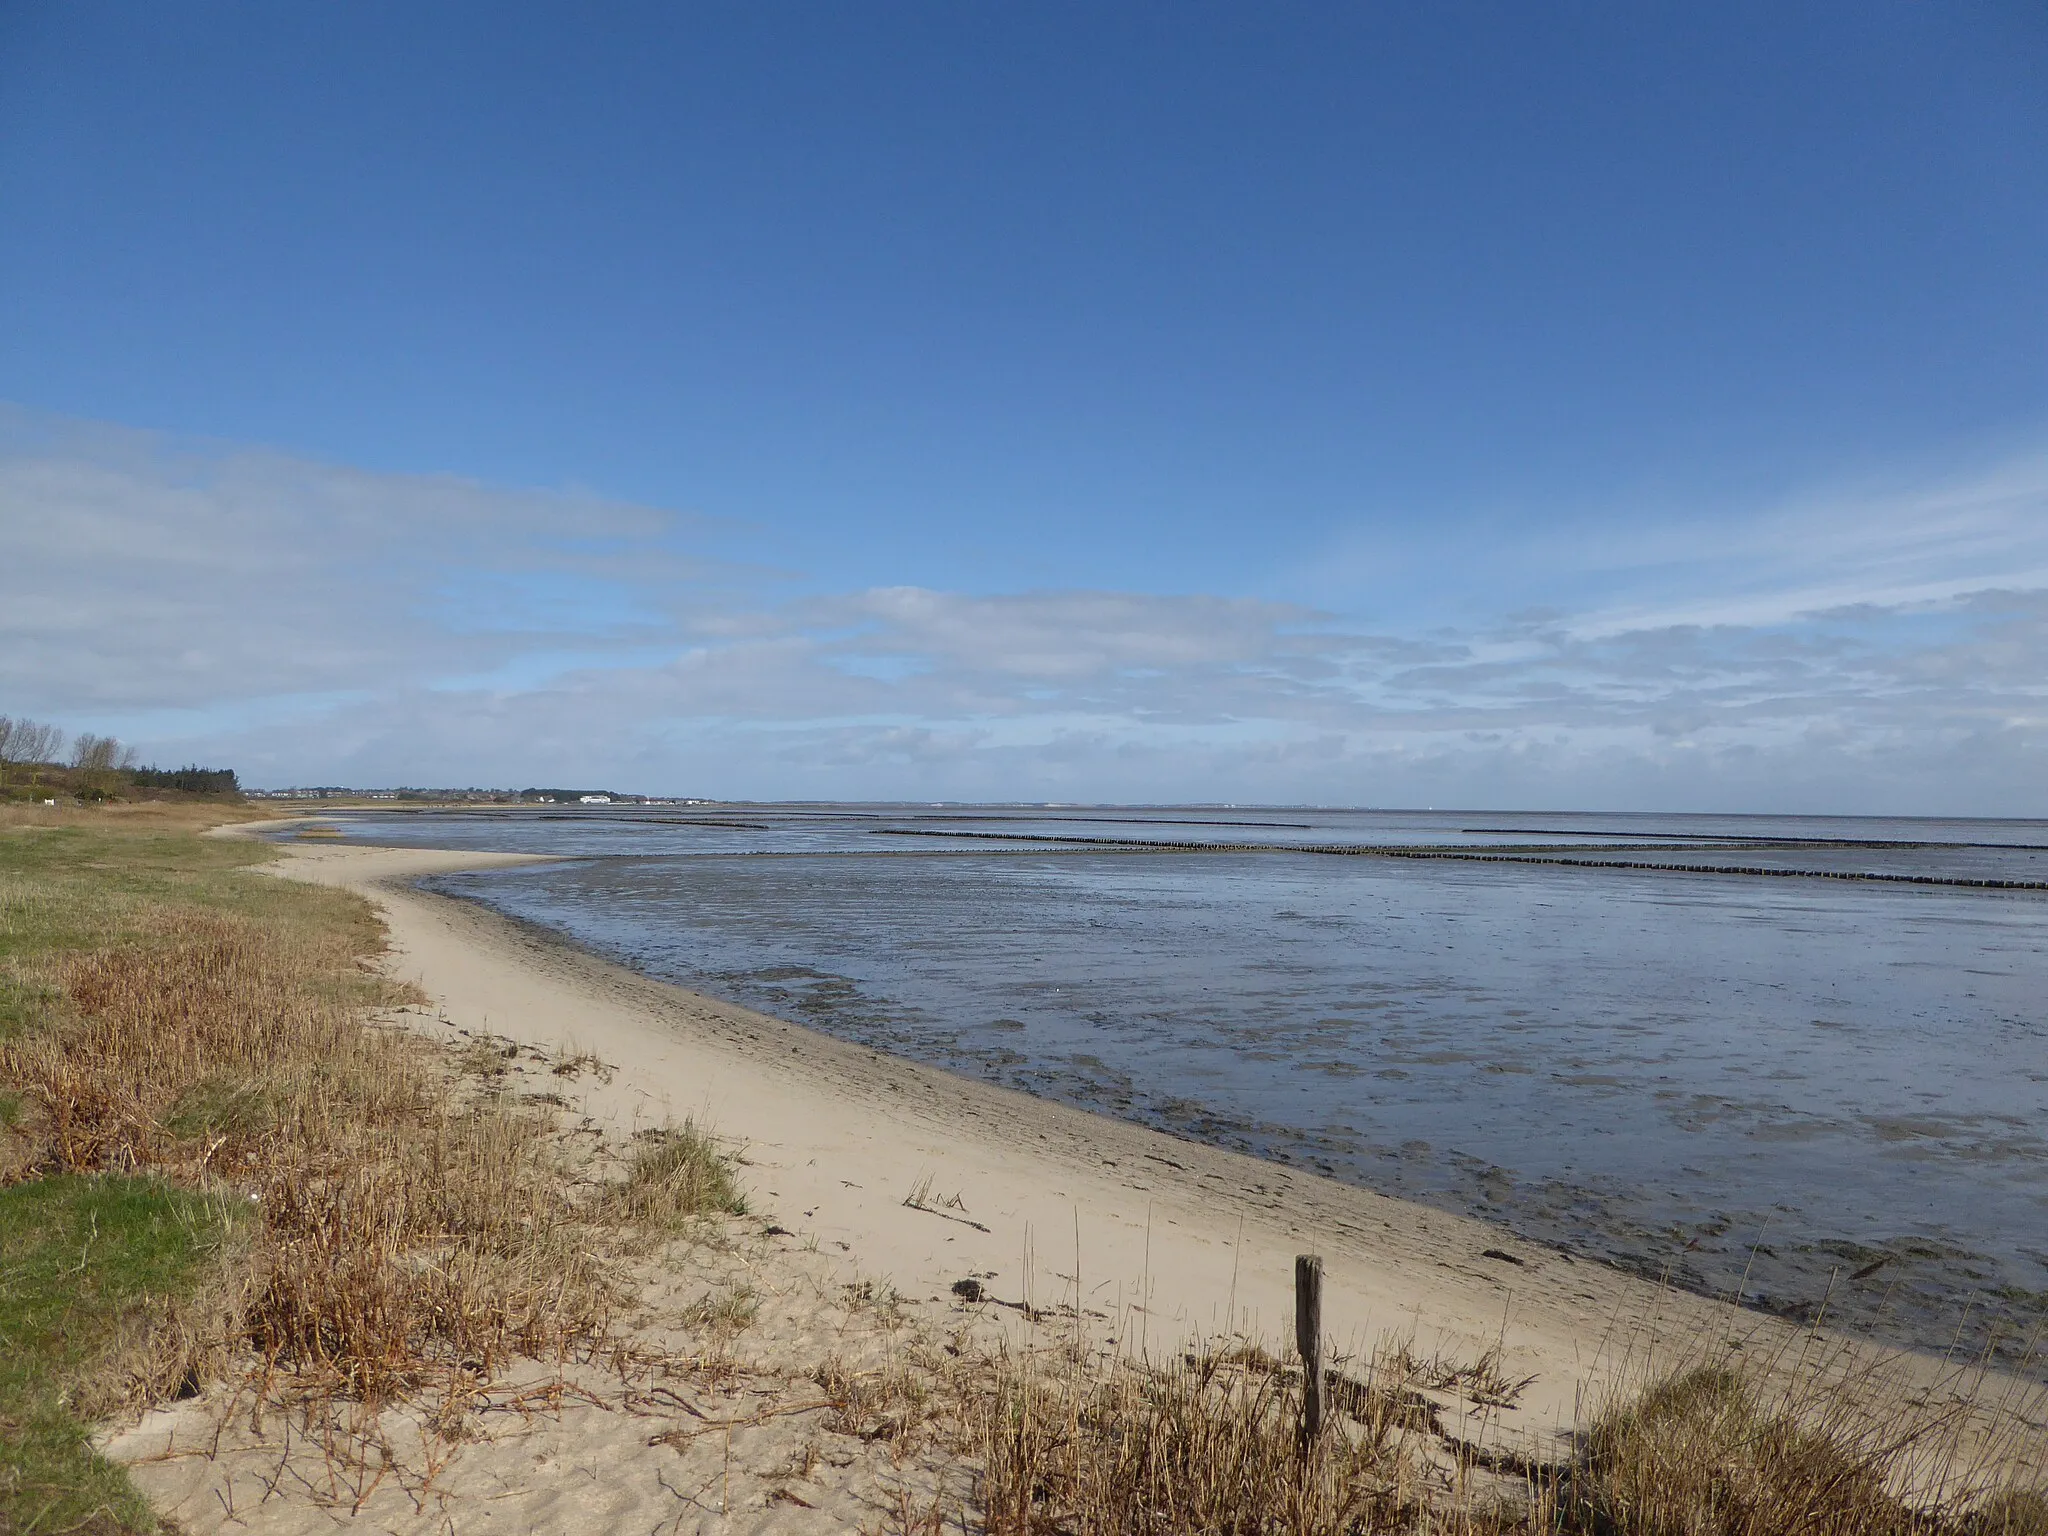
[[1803, 1080]]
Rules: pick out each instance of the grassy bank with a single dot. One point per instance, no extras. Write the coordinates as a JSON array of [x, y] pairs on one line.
[[98, 1268], [211, 1150]]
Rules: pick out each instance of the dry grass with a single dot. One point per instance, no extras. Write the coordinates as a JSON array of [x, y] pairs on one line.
[[676, 1175], [1814, 1446], [400, 1227], [898, 1403], [166, 814], [1210, 1444], [725, 1311], [164, 1015], [1699, 1452]]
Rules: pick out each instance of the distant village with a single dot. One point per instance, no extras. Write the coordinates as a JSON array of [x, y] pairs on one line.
[[473, 796]]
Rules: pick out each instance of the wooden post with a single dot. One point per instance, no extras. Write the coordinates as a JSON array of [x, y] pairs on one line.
[[1308, 1338]]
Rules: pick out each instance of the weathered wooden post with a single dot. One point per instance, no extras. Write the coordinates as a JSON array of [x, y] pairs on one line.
[[1308, 1338]]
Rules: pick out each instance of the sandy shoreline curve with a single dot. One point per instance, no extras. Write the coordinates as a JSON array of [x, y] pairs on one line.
[[1160, 1239]]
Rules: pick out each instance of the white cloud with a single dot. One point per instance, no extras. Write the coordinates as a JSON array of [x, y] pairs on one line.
[[315, 623], [1866, 546], [142, 573]]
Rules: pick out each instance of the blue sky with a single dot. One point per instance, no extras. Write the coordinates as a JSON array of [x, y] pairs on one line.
[[1638, 406]]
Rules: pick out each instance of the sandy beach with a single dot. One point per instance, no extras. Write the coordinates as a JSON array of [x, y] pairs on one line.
[[861, 1167]]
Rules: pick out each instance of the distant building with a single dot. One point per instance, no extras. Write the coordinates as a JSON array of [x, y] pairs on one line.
[[597, 800]]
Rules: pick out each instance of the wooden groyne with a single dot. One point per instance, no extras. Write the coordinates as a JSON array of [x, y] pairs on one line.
[[1482, 856]]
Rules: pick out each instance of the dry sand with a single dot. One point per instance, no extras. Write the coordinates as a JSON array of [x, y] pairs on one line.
[[1156, 1239]]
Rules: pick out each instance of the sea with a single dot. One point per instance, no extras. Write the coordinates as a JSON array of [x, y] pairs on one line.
[[1798, 1062]]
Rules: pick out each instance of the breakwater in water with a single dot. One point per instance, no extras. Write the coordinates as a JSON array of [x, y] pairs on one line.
[[1578, 859]]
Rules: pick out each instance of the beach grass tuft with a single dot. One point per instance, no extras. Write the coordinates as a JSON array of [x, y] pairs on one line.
[[1810, 1445], [1700, 1452], [676, 1175]]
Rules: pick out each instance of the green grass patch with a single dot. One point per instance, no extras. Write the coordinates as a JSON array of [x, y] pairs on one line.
[[79, 1257]]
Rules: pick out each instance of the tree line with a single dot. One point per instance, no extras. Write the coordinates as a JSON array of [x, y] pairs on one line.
[[97, 764]]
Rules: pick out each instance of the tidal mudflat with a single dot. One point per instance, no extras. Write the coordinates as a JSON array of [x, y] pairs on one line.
[[1804, 1089]]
